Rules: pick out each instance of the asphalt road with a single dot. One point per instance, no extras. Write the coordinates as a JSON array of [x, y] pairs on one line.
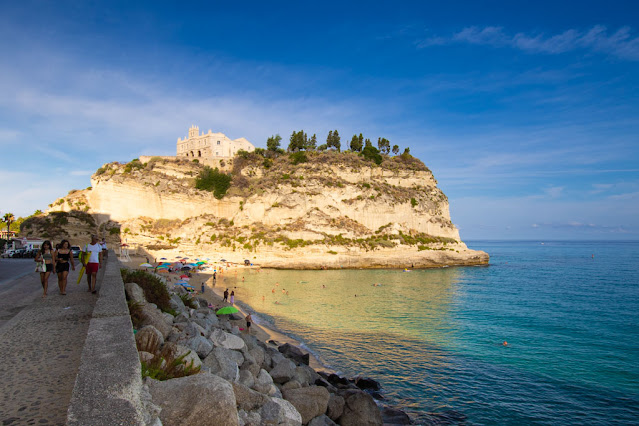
[[19, 286]]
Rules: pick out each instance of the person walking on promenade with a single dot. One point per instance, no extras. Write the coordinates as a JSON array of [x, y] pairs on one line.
[[233, 297], [45, 254], [62, 257], [226, 295], [92, 264], [249, 320], [105, 251]]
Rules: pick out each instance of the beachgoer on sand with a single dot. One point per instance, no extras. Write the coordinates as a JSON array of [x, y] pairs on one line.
[[232, 297], [249, 320], [226, 295]]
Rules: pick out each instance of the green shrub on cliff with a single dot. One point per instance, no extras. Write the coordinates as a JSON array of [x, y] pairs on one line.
[[214, 181]]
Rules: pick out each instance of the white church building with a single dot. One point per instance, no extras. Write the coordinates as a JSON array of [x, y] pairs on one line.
[[210, 145]]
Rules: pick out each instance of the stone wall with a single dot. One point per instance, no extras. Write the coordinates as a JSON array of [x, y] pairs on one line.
[[108, 388]]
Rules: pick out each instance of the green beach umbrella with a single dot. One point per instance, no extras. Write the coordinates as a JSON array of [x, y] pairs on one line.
[[227, 310]]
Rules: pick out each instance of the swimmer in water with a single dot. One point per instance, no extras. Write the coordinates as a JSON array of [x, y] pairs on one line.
[[505, 343]]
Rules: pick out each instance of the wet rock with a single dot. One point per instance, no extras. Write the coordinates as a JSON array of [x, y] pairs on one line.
[[366, 383], [191, 400], [393, 416], [359, 409], [294, 353]]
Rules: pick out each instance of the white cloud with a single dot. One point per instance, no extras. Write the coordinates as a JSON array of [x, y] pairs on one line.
[[621, 43]]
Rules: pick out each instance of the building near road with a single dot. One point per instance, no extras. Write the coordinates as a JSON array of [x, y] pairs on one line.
[[210, 145]]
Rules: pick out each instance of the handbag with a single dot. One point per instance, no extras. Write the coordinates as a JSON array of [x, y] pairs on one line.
[[41, 266]]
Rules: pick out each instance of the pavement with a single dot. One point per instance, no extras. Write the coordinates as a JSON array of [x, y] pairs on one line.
[[41, 343]]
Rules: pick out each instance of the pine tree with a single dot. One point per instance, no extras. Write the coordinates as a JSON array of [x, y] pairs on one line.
[[356, 145], [273, 143], [395, 149], [336, 141]]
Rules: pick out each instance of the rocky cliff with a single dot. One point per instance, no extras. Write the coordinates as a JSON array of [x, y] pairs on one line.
[[328, 210]]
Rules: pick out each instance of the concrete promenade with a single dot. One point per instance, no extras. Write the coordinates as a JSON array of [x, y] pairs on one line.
[[41, 344]]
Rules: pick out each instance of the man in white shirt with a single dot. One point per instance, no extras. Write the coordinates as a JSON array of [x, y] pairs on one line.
[[92, 264]]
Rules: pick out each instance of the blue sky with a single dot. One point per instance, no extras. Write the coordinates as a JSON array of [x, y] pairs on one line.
[[526, 112]]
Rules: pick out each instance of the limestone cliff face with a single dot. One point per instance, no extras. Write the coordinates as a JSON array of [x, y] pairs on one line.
[[333, 205]]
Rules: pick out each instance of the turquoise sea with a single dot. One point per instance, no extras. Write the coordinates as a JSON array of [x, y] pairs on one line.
[[568, 310]]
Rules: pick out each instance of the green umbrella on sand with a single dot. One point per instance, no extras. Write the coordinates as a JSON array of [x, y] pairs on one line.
[[227, 310]]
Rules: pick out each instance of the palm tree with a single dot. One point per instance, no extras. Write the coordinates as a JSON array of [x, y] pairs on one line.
[[8, 218]]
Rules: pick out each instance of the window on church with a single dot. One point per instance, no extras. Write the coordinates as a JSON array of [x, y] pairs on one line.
[[218, 142]]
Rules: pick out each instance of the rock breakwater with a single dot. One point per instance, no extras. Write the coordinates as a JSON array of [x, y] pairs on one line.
[[227, 376]]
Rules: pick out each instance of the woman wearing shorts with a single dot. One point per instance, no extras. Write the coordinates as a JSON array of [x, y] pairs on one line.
[[63, 256], [45, 254]]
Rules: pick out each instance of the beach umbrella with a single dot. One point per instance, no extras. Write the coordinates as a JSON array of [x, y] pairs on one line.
[[223, 260], [184, 276], [146, 265], [227, 310], [186, 267], [163, 258], [163, 271]]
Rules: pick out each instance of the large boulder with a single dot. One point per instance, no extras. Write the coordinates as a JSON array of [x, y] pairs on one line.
[[335, 407], [149, 339], [263, 382], [283, 371], [151, 315], [303, 375], [222, 362], [294, 353], [359, 410], [201, 345], [246, 378], [258, 355], [393, 416], [251, 418], [177, 303], [366, 383], [134, 292], [252, 367], [310, 402], [189, 401], [280, 412], [248, 399], [322, 420], [226, 340], [172, 351]]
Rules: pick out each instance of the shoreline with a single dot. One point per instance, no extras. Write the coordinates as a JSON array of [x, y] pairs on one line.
[[214, 295]]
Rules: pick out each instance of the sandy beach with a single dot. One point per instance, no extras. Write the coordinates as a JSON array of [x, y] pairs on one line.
[[214, 294]]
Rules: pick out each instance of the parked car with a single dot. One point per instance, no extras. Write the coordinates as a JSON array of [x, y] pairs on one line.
[[18, 253], [76, 251], [31, 252], [7, 253]]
